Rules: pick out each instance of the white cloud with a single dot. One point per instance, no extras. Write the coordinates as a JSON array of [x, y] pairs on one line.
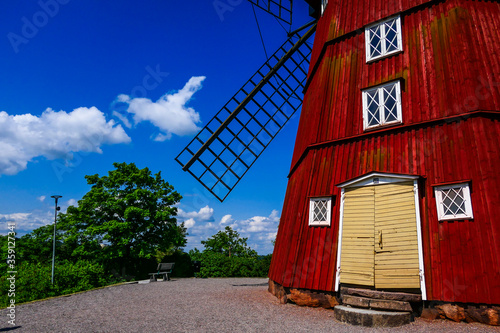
[[226, 219], [259, 223], [189, 223], [72, 202], [260, 230], [41, 198], [205, 214], [54, 135], [169, 113], [26, 222]]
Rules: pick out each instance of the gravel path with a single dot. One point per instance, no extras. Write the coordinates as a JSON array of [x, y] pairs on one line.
[[192, 305]]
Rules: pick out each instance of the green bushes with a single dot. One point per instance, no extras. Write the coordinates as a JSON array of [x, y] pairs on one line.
[[183, 264], [219, 265], [33, 281]]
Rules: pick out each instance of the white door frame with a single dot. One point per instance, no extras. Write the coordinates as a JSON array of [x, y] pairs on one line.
[[377, 178]]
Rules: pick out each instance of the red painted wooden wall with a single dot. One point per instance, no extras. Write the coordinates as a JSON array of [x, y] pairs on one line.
[[450, 74]]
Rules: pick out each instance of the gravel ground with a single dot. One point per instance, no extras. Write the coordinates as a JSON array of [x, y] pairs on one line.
[[193, 305]]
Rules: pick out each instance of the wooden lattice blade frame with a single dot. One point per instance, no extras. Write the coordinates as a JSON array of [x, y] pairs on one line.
[[280, 9], [223, 151]]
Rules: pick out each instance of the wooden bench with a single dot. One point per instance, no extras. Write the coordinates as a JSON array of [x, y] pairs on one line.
[[164, 269]]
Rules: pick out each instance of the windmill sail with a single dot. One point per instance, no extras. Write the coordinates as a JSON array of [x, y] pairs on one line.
[[223, 151], [280, 9]]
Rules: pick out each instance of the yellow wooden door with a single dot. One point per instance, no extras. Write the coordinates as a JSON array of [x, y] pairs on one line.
[[379, 237], [396, 247], [357, 259]]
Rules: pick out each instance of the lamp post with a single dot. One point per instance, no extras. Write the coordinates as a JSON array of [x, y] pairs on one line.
[[54, 238]]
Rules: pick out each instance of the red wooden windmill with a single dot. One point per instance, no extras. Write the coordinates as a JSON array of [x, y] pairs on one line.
[[394, 182]]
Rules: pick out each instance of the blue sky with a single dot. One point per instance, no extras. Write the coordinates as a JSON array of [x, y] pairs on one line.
[[88, 83]]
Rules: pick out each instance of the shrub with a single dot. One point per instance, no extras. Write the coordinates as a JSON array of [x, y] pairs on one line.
[[183, 265], [33, 281], [219, 265]]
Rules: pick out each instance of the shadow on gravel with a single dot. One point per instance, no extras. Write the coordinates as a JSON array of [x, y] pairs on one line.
[[251, 285], [6, 329]]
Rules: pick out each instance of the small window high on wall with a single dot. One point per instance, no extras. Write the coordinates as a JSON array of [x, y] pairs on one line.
[[382, 105], [453, 202], [320, 211], [383, 39]]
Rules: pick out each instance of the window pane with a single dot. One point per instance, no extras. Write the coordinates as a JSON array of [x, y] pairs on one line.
[[374, 119], [453, 201], [373, 110], [320, 210], [390, 103], [391, 36], [375, 42]]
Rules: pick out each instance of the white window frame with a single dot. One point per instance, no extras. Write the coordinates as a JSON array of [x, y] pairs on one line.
[[381, 105], [324, 3], [467, 201], [312, 201], [384, 52]]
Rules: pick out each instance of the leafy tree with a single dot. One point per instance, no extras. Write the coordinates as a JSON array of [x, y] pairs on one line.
[[36, 246], [226, 254], [228, 242], [127, 215]]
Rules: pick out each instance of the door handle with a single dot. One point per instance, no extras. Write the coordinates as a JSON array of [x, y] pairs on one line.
[[380, 238]]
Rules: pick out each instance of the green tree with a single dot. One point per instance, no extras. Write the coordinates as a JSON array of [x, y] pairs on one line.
[[228, 242], [127, 215], [36, 246]]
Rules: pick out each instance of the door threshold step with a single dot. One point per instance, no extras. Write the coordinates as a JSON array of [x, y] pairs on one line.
[[371, 318], [377, 304], [387, 295]]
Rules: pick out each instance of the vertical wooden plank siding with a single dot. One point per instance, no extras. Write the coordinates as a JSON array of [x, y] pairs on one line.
[[444, 74], [450, 90], [460, 257]]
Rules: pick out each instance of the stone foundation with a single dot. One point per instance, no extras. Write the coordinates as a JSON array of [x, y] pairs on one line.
[[486, 314], [489, 315], [303, 297]]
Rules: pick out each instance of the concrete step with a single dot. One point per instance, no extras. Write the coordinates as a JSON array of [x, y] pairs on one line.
[[371, 318], [379, 304]]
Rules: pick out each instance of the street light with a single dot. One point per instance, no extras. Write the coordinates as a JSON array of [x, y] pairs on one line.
[[54, 238]]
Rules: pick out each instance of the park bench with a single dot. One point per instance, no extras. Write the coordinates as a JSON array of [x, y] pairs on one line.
[[164, 269]]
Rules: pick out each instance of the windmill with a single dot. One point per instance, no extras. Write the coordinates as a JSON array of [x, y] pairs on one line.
[[393, 188], [225, 149]]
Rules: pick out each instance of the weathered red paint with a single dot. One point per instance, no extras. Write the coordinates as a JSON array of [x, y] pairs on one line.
[[450, 74]]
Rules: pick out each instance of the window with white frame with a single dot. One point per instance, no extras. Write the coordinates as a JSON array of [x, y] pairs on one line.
[[323, 6], [320, 211], [382, 105], [383, 39], [453, 202]]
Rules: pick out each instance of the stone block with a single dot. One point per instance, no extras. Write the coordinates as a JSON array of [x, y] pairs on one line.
[[395, 296], [493, 317], [271, 287], [382, 304], [371, 318], [308, 298], [360, 302], [453, 312]]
